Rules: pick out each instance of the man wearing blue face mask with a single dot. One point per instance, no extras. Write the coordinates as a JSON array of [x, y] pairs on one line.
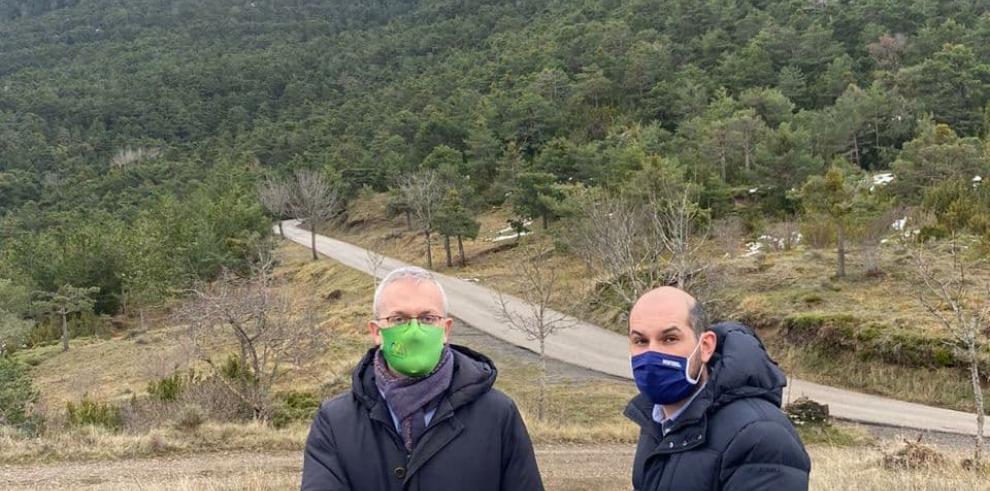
[[709, 403]]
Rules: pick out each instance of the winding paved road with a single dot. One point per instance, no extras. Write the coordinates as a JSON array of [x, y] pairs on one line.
[[589, 346]]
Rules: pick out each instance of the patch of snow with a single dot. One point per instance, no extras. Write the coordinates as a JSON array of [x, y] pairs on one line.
[[753, 248], [898, 225], [883, 179], [778, 243], [753, 190], [510, 229], [500, 238]]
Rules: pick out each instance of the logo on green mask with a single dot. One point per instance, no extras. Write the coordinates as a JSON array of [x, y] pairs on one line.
[[412, 349]]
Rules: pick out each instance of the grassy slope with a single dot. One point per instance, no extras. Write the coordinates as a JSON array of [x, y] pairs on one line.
[[763, 293], [117, 368], [580, 412]]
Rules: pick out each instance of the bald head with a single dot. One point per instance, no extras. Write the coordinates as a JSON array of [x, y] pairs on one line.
[[668, 306]]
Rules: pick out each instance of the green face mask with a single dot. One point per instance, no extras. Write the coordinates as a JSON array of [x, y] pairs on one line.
[[412, 349]]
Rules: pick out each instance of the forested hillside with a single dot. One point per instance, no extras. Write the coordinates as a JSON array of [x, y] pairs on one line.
[[132, 134]]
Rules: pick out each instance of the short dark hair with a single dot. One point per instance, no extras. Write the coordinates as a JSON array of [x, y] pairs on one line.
[[697, 319]]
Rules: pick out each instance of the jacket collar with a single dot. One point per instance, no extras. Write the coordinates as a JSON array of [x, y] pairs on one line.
[[688, 431]]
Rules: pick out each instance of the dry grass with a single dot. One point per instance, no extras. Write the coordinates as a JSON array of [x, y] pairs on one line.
[[106, 369], [98, 444], [785, 283], [799, 280], [584, 412], [943, 387], [117, 368], [860, 468], [585, 467]]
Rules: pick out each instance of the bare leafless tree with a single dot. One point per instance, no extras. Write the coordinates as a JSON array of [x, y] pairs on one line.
[[539, 284], [274, 329], [676, 218], [315, 199], [785, 234], [423, 193], [375, 261], [871, 234], [728, 234], [634, 246], [276, 197], [613, 237], [960, 302]]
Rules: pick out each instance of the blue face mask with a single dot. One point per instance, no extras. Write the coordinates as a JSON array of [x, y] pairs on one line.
[[663, 378]]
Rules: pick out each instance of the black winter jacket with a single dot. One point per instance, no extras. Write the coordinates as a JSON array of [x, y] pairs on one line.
[[475, 440], [733, 436]]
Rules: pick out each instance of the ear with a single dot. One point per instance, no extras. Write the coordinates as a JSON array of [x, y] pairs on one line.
[[448, 323], [373, 329], [708, 342]]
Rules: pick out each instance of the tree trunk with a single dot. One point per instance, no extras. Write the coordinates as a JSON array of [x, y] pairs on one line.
[[141, 315], [460, 248], [856, 151], [65, 332], [446, 247], [312, 234], [280, 231], [876, 134], [974, 373], [540, 403], [409, 220], [429, 251], [722, 162], [546, 220], [841, 239]]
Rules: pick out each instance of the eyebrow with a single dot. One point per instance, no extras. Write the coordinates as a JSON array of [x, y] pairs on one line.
[[662, 333], [424, 312]]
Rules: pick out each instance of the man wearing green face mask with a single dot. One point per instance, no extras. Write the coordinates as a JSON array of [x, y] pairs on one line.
[[422, 413]]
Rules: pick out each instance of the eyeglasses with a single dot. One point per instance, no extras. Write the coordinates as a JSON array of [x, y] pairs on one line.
[[395, 320]]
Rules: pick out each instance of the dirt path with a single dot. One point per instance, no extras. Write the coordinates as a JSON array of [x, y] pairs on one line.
[[591, 468], [595, 348]]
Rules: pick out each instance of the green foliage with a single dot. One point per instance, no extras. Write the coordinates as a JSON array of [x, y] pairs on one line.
[[17, 396], [958, 206], [534, 195], [454, 220], [233, 369], [831, 195], [294, 406], [88, 412], [843, 333], [14, 332], [141, 186], [937, 155], [168, 389]]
